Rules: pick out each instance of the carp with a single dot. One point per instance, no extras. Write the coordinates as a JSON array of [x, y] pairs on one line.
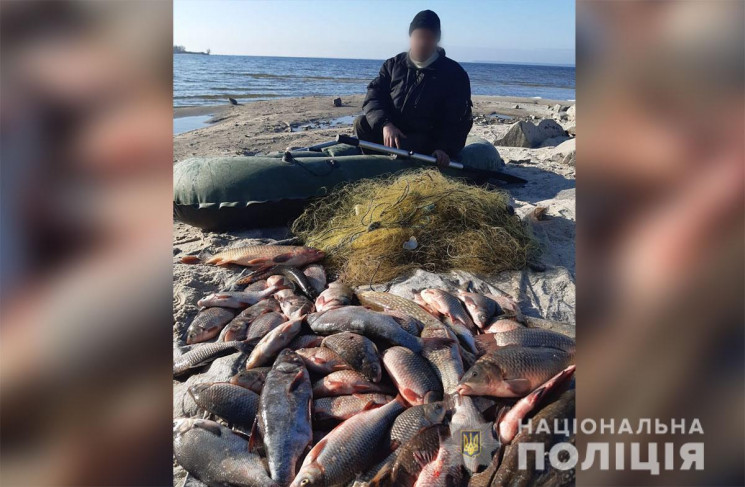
[[236, 299], [207, 324], [262, 256], [231, 402], [277, 339], [285, 415], [346, 450], [512, 371], [337, 295], [357, 351], [322, 360], [412, 375], [217, 456]]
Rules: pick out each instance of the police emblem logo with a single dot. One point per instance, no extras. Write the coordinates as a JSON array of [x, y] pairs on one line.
[[471, 442]]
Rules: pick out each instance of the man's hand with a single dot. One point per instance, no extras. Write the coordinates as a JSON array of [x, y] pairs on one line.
[[443, 159], [392, 136]]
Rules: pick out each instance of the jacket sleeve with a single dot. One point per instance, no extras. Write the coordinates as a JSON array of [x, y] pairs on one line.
[[456, 117], [378, 102]]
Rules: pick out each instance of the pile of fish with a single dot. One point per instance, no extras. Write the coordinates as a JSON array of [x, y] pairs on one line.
[[344, 387]]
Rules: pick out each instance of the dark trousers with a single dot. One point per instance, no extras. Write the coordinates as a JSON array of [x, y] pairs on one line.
[[416, 142]]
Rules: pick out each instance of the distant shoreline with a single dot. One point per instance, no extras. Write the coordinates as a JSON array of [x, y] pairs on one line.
[[472, 61], [216, 109]]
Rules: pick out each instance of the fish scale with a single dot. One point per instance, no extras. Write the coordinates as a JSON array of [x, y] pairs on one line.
[[272, 343], [322, 360], [413, 376], [252, 379], [446, 362], [424, 444], [202, 354], [356, 350], [236, 299], [293, 305], [231, 402], [447, 304], [316, 275], [408, 423], [380, 301], [344, 407], [404, 428], [529, 337], [264, 324], [481, 308], [345, 382], [337, 295]]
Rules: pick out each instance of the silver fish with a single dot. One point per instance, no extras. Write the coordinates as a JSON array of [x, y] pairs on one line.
[[526, 337], [337, 295], [232, 403], [344, 407], [322, 360], [201, 354], [481, 308], [512, 371], [217, 456], [446, 361], [345, 382], [269, 346], [265, 323], [285, 415], [207, 324], [357, 319], [357, 351], [316, 275], [236, 299], [412, 375], [345, 451], [293, 305]]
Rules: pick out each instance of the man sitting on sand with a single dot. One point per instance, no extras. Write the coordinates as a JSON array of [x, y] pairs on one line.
[[421, 100]]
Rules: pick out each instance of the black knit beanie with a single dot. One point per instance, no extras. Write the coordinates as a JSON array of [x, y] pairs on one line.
[[426, 19]]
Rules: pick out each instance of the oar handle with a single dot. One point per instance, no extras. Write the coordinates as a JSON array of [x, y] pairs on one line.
[[347, 139]]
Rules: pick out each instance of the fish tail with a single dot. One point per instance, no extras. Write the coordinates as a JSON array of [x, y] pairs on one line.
[[202, 257], [190, 259]]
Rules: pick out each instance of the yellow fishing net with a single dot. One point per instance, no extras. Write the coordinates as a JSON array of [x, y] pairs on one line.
[[376, 230]]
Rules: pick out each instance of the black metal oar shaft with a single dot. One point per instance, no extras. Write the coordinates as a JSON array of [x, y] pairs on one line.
[[346, 139]]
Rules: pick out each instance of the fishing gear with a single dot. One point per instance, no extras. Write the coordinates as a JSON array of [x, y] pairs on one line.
[[363, 144]]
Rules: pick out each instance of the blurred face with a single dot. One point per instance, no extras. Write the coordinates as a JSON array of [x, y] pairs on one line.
[[422, 44]]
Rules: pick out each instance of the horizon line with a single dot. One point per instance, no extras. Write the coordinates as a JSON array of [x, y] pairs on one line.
[[521, 63]]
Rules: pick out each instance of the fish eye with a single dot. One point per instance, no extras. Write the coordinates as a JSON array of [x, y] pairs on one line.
[[304, 482]]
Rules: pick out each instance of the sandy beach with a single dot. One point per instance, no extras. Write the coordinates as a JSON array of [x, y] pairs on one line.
[[265, 126]]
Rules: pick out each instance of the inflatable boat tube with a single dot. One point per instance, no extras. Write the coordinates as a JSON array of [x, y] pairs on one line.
[[221, 193]]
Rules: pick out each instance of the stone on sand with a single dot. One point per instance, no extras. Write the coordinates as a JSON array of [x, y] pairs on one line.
[[572, 112], [526, 134]]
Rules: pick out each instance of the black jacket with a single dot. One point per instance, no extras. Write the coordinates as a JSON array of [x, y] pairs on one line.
[[435, 100]]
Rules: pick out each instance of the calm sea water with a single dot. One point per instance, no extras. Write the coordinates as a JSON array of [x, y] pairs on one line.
[[207, 80]]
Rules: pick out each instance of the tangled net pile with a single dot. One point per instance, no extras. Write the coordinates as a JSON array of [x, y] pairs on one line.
[[374, 231]]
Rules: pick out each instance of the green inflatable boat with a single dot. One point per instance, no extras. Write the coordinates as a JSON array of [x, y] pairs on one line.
[[221, 193]]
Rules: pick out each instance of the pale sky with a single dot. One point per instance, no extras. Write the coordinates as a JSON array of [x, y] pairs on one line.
[[520, 31]]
